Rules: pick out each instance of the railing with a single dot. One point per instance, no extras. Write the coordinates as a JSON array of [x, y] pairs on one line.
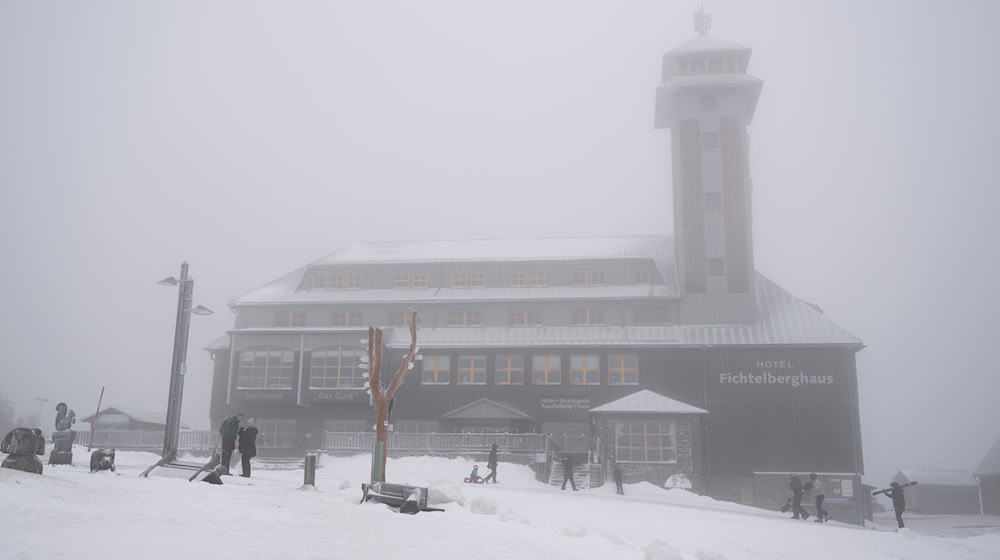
[[510, 443], [134, 439]]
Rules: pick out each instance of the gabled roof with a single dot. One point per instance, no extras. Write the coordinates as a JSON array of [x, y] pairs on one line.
[[486, 409], [144, 416], [936, 477], [648, 402], [704, 43], [991, 462]]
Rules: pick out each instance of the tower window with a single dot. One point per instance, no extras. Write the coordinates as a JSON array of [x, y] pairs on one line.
[[707, 102], [716, 66], [640, 276], [710, 140], [713, 202], [716, 267]]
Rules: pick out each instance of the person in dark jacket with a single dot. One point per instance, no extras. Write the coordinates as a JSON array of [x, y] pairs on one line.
[[796, 487], [491, 464], [895, 492], [618, 480], [568, 471], [229, 431], [248, 446]]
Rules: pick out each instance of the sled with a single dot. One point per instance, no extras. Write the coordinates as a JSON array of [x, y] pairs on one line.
[[468, 480]]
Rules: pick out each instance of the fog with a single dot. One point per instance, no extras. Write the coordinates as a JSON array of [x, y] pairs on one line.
[[251, 138]]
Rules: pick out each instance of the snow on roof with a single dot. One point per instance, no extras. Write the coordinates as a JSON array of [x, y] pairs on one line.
[[991, 462], [508, 250], [486, 409], [678, 82], [145, 416], [936, 477], [648, 402], [704, 43]]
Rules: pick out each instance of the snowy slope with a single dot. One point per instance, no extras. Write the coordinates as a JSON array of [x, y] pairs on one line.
[[68, 512]]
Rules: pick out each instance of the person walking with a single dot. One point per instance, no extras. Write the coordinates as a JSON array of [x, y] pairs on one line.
[[819, 494], [248, 446], [491, 464], [568, 471], [229, 431], [618, 480], [895, 492], [796, 487]]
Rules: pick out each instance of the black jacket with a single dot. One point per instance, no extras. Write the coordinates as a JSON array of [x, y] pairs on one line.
[[230, 428], [491, 463], [796, 487], [248, 441], [898, 500]]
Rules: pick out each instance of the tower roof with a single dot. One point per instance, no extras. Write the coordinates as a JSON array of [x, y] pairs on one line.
[[704, 43]]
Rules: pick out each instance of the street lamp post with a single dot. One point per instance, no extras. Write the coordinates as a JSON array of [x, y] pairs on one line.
[[40, 400], [178, 365]]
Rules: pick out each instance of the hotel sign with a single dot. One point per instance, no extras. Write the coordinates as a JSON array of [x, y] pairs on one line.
[[348, 395], [774, 372], [563, 403], [264, 396]]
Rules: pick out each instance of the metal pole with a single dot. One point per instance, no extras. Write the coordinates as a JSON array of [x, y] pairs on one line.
[[93, 425], [178, 365]]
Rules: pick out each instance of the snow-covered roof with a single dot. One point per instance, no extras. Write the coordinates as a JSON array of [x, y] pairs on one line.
[[146, 416], [714, 80], [504, 250], [648, 402], [704, 43], [991, 462], [486, 409], [936, 477]]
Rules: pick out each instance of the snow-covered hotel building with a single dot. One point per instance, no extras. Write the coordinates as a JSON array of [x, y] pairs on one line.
[[662, 354]]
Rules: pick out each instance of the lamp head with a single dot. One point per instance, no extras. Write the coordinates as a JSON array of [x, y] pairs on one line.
[[201, 310], [168, 281]]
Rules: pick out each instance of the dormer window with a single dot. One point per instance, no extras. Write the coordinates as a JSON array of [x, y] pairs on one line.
[[587, 278], [409, 280], [527, 279], [346, 318], [329, 280], [468, 280]]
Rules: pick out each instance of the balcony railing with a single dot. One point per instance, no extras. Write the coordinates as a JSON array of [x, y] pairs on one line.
[[510, 443], [194, 440]]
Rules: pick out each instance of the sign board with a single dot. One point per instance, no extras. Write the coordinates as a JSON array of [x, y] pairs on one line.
[[847, 488], [541, 457]]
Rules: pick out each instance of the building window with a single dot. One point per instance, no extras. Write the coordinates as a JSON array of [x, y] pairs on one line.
[[716, 66], [525, 317], [716, 267], [587, 315], [409, 280], [645, 441], [623, 369], [346, 318], [465, 317], [696, 66], [266, 368], [509, 369], [573, 437], [587, 278], [640, 276], [584, 369], [546, 369], [402, 318], [710, 140], [707, 102], [713, 202], [472, 370], [336, 368], [289, 318], [468, 280], [345, 426], [527, 279], [416, 427], [326, 280], [652, 315], [276, 434], [435, 370]]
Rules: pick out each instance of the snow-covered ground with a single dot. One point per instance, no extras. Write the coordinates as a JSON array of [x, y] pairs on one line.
[[69, 513]]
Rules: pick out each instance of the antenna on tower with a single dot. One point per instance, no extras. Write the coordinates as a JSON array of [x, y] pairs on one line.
[[702, 21]]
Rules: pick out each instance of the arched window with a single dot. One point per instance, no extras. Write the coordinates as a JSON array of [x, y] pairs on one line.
[[266, 368], [336, 368]]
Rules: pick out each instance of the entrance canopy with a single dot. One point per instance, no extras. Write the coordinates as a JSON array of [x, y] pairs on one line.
[[647, 402], [485, 409]]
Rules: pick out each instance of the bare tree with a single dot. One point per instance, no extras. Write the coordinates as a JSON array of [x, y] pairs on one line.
[[381, 398]]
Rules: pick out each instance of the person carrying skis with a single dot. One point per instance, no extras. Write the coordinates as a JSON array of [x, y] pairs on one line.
[[568, 471], [819, 494], [248, 446], [895, 492], [229, 430], [795, 485], [491, 464]]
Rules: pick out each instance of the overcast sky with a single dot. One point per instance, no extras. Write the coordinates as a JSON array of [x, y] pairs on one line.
[[250, 138]]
